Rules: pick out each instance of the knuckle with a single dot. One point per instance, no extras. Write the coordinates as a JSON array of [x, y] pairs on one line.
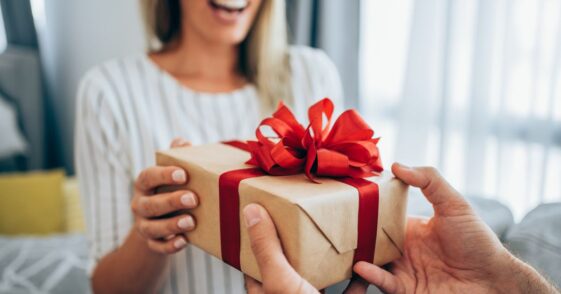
[[433, 180], [139, 229], [142, 178], [256, 244], [261, 247], [264, 261], [459, 205], [146, 207], [134, 207], [144, 227], [432, 171]]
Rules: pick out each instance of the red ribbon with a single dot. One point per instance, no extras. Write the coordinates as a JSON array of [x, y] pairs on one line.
[[347, 152], [368, 206], [228, 192]]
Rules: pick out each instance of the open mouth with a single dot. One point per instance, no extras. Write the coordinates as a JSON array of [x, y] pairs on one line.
[[229, 5]]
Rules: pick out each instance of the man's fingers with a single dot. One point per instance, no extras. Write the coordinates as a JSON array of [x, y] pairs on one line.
[[156, 176], [179, 142], [378, 277], [357, 285], [265, 243], [437, 190]]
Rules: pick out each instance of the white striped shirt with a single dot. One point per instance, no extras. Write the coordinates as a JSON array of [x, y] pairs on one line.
[[128, 108]]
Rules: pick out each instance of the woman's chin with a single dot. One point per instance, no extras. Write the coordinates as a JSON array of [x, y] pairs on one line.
[[230, 37]]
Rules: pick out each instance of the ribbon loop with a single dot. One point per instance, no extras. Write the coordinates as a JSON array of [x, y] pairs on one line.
[[345, 150]]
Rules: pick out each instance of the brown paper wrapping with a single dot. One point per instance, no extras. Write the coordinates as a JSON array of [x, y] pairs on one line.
[[317, 223]]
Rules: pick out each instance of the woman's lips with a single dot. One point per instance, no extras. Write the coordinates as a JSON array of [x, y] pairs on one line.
[[228, 11]]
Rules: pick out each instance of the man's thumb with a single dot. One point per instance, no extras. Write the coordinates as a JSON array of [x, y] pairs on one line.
[[265, 243]]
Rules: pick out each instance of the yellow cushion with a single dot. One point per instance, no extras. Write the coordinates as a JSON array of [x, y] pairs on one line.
[[73, 214], [31, 203]]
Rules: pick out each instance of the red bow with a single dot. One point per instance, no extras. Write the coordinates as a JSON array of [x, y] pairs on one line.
[[346, 150]]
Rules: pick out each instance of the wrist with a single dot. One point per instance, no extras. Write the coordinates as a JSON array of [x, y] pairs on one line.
[[141, 242], [514, 276], [131, 268]]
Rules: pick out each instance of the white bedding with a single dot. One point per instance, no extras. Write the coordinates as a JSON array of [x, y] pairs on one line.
[[54, 264]]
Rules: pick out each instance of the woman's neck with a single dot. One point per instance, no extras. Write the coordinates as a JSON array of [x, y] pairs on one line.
[[193, 56], [202, 65]]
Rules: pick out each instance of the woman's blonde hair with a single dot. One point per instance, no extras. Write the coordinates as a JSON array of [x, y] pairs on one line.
[[263, 54]]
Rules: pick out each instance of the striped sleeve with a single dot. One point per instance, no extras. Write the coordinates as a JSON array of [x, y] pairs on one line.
[[103, 169]]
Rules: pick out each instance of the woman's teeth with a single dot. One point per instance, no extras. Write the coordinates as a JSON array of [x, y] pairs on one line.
[[230, 5]]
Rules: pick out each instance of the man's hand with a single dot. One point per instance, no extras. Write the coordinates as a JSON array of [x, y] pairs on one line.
[[277, 274], [452, 252]]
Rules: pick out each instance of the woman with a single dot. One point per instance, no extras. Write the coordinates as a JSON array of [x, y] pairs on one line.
[[216, 68]]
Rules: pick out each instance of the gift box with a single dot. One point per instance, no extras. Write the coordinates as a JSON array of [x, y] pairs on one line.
[[327, 217]]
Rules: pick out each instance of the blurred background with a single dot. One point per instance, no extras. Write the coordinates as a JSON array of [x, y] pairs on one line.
[[472, 87]]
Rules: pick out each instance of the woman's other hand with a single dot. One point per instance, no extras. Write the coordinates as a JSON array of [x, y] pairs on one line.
[[161, 218]]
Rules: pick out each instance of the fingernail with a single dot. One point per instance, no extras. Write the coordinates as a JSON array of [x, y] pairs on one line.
[[179, 176], [252, 215], [186, 223], [188, 199], [179, 243]]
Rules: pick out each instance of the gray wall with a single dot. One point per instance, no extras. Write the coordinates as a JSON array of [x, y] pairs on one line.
[[74, 36]]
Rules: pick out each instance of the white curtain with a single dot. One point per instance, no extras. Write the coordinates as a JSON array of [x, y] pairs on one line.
[[73, 37], [472, 87]]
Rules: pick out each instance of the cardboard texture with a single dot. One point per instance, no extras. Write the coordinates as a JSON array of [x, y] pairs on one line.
[[317, 223]]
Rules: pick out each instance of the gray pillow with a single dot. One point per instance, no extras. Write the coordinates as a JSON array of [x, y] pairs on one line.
[[12, 141], [537, 240]]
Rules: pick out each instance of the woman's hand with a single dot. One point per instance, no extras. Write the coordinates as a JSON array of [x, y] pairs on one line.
[[139, 264], [163, 234]]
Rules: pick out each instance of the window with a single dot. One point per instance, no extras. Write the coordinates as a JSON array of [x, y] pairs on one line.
[[3, 40], [472, 87]]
